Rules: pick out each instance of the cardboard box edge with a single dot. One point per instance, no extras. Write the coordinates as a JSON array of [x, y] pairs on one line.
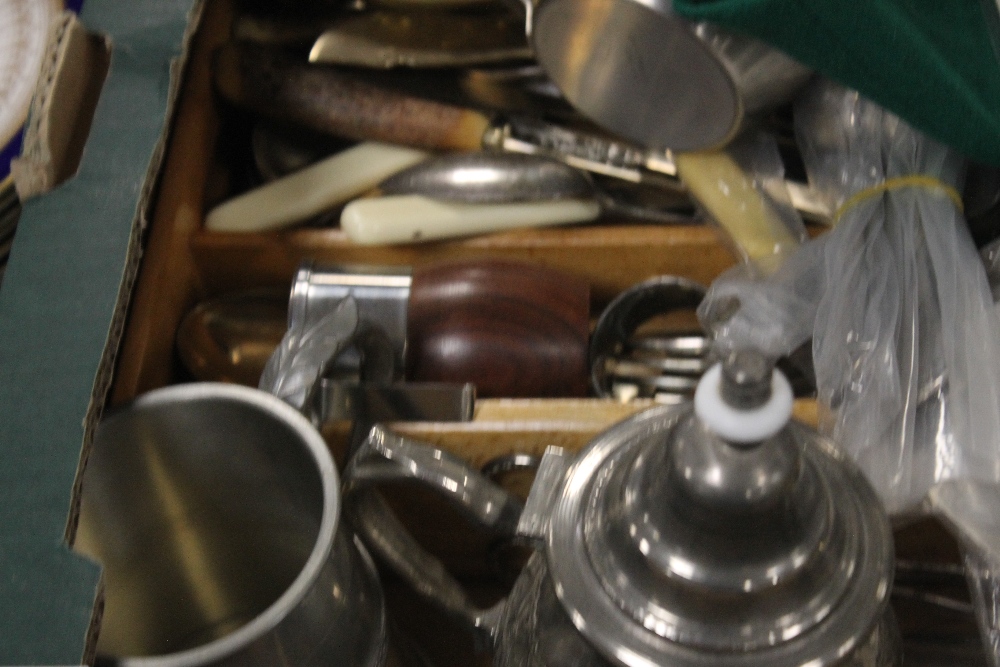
[[48, 593]]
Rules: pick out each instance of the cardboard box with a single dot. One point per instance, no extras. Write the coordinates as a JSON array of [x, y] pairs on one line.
[[77, 257], [62, 309]]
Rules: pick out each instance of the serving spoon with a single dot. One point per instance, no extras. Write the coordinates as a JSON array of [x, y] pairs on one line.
[[473, 193]]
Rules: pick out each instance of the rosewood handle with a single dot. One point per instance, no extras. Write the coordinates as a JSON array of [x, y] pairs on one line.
[[515, 329], [269, 83]]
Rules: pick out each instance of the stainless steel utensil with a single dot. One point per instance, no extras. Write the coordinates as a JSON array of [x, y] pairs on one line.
[[331, 101], [667, 373], [682, 346], [717, 533], [484, 184], [623, 316], [490, 178], [690, 368], [641, 71], [215, 512], [503, 178]]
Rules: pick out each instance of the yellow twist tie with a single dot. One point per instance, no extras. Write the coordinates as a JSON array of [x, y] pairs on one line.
[[913, 181]]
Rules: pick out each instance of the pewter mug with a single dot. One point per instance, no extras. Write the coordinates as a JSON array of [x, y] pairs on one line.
[[664, 543], [215, 512]]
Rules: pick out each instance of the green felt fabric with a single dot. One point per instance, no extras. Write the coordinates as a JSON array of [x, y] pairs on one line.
[[929, 61]]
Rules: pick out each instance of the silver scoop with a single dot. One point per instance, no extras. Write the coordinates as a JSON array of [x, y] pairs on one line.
[[504, 178]]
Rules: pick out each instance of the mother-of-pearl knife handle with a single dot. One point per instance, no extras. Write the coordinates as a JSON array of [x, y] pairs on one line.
[[414, 218], [728, 194], [313, 190]]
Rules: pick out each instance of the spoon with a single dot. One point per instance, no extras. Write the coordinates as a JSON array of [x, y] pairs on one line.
[[490, 178], [474, 193]]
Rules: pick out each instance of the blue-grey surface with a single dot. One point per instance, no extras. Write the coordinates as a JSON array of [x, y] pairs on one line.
[[58, 299]]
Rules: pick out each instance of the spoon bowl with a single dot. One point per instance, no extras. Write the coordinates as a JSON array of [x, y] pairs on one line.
[[490, 178]]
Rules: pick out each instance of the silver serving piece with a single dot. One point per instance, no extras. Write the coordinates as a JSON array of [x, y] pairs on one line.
[[640, 70], [490, 177], [215, 512], [710, 532], [670, 372], [616, 159]]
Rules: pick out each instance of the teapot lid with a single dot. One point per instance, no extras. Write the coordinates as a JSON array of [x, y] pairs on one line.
[[720, 528]]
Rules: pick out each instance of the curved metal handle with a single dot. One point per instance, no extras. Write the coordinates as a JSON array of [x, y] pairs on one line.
[[384, 457], [637, 304]]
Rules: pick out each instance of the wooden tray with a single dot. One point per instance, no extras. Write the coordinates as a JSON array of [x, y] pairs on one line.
[[184, 264]]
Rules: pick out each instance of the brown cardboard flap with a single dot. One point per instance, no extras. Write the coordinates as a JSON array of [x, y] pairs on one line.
[[62, 109], [61, 313]]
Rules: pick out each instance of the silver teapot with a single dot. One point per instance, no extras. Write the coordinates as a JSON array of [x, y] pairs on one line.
[[715, 532]]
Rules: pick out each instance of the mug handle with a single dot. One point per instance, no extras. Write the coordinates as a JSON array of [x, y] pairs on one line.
[[386, 457]]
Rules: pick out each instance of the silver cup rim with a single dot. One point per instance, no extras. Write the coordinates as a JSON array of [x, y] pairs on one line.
[[317, 448]]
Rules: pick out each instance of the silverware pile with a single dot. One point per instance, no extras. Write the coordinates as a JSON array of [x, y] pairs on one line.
[[664, 367]]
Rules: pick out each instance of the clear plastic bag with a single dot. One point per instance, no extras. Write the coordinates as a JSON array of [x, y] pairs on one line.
[[293, 371], [774, 314], [905, 331], [982, 569], [906, 338], [972, 510]]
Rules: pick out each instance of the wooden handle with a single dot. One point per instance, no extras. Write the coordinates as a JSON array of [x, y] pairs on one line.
[[514, 329], [326, 100]]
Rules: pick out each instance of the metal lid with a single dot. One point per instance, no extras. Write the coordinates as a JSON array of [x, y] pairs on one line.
[[667, 541]]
